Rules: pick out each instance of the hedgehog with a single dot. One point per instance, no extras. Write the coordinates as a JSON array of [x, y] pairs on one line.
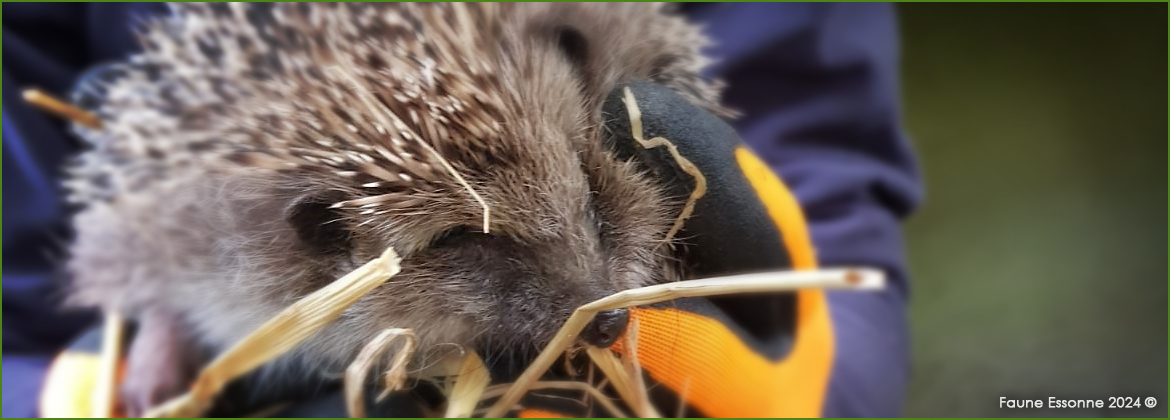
[[253, 153]]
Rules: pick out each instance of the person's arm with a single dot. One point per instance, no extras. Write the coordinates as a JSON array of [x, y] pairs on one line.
[[46, 46], [817, 85]]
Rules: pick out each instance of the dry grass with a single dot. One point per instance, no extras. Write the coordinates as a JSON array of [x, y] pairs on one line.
[[685, 164], [105, 390], [772, 282], [469, 387], [395, 376], [69, 111], [280, 334]]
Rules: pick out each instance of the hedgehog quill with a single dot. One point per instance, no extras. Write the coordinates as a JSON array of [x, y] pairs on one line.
[[252, 153]]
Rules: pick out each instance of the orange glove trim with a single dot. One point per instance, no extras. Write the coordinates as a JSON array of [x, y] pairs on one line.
[[782, 207], [533, 413], [721, 375]]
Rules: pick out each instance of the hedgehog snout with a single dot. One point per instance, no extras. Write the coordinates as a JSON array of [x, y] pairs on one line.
[[606, 327]]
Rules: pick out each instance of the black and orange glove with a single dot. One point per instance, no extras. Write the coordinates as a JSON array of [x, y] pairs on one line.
[[733, 356]]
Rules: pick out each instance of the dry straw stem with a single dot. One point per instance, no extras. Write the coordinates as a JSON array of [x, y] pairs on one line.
[[469, 387], [641, 399], [281, 334], [626, 374], [612, 368], [44, 101], [683, 163], [355, 374], [771, 282], [104, 395], [623, 381]]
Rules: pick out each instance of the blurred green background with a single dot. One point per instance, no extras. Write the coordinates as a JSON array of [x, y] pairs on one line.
[[1039, 256]]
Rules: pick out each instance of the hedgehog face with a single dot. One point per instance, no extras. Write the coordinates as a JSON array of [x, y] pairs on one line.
[[515, 112], [569, 224]]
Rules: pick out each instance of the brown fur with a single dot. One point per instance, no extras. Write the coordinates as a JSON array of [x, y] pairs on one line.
[[242, 130]]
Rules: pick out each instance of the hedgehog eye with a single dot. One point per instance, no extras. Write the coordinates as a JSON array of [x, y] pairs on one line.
[[573, 44], [319, 227], [452, 236]]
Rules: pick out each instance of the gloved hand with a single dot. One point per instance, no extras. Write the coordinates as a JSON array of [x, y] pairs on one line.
[[730, 356]]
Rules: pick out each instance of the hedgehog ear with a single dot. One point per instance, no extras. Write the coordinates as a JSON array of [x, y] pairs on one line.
[[319, 226]]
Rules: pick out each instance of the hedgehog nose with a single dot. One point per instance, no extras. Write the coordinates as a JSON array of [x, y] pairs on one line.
[[606, 327]]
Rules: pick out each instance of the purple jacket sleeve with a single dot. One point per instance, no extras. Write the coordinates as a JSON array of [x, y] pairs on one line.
[[47, 46], [817, 86]]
